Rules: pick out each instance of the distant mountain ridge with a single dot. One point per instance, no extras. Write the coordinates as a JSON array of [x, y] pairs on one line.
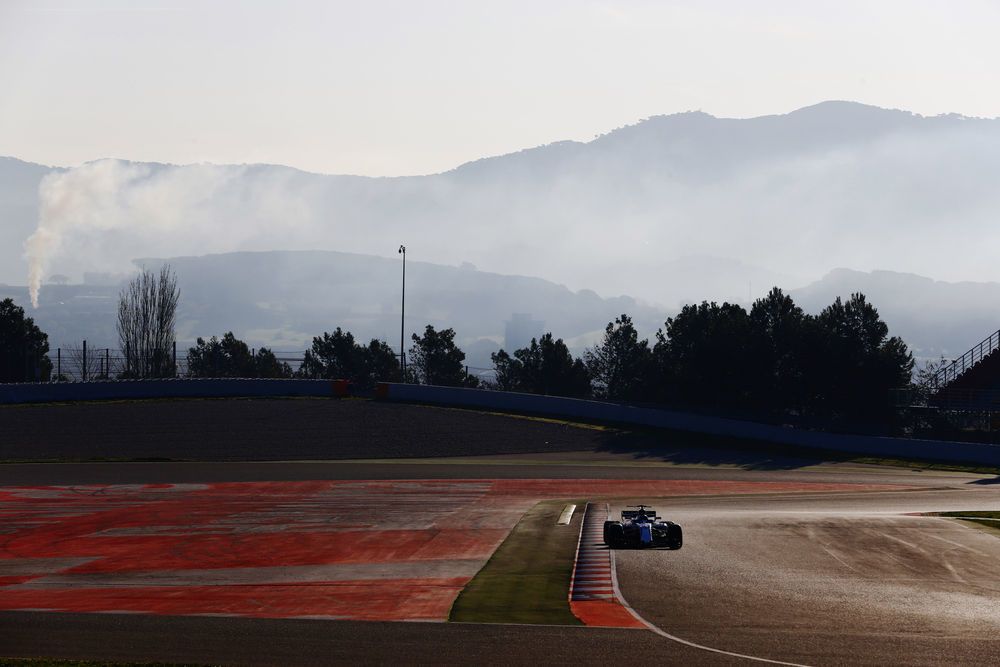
[[935, 318], [791, 195], [282, 299]]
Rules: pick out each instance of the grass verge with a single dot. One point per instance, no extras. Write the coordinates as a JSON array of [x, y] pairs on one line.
[[527, 579], [990, 519]]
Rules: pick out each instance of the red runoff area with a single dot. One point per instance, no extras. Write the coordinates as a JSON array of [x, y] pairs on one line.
[[378, 550], [605, 614]]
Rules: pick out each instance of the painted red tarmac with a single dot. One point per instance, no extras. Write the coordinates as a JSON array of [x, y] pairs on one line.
[[233, 548]]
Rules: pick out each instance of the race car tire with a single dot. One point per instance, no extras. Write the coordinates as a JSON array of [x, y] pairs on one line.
[[675, 536], [614, 533]]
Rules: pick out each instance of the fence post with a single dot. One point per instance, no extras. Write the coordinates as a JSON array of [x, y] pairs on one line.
[[175, 358], [83, 372], [58, 364]]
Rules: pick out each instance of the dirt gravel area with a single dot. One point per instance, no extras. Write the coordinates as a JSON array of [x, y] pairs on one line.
[[263, 429]]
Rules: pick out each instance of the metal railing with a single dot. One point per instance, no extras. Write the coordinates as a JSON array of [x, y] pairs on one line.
[[947, 399], [83, 363], [959, 366], [87, 363]]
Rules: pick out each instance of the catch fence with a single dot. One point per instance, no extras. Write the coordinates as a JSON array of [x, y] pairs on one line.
[[85, 363]]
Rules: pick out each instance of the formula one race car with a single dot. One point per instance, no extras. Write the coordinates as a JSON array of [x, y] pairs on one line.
[[640, 527]]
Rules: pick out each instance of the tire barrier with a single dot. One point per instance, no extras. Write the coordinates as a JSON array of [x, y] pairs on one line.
[[615, 413], [171, 388]]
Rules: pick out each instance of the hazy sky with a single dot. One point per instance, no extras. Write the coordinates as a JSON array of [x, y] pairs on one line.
[[392, 88]]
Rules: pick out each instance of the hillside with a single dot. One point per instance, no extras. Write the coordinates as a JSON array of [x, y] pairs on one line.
[[935, 318], [792, 196], [18, 214], [283, 299]]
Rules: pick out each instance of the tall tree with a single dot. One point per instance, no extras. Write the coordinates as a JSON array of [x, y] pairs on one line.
[[777, 334], [853, 363], [703, 355], [547, 367], [435, 359], [231, 357], [507, 372], [333, 356], [339, 356], [269, 366], [147, 312], [380, 364], [620, 364], [23, 346]]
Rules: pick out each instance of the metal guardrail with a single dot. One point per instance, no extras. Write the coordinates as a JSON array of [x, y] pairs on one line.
[[933, 450], [952, 371], [47, 392]]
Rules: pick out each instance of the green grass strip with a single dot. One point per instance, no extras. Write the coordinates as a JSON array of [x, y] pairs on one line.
[[990, 519], [992, 514], [527, 579]]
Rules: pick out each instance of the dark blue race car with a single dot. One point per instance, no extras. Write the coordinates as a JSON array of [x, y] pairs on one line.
[[640, 527]]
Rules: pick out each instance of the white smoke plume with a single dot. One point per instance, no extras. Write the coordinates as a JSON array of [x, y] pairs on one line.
[[104, 214], [794, 196]]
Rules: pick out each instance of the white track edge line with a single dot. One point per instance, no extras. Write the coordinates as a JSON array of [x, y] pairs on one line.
[[675, 638], [576, 556]]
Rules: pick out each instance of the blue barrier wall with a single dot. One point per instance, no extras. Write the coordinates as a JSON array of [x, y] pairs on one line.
[[181, 388], [937, 450]]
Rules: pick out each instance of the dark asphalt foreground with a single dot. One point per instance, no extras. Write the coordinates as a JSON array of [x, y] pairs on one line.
[[27, 474], [265, 429], [811, 578], [820, 579], [827, 580], [266, 642]]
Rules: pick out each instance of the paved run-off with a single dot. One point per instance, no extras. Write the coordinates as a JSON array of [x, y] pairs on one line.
[[363, 550]]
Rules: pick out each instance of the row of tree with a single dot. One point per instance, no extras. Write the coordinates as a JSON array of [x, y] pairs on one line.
[[841, 363], [775, 358], [433, 359], [772, 358]]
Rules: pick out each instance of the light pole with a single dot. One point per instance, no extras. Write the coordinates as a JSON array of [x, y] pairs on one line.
[[402, 316]]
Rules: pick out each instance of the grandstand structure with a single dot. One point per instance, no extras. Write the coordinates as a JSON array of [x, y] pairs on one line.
[[970, 383]]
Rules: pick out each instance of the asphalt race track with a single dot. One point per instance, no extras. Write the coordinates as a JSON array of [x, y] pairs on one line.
[[785, 559], [828, 579]]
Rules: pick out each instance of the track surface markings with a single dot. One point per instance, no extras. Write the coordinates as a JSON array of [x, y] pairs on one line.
[[344, 549], [361, 550], [593, 598]]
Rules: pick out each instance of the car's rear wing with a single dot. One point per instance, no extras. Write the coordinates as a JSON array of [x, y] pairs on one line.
[[630, 515]]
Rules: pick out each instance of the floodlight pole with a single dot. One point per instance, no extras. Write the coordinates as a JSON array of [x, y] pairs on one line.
[[402, 317]]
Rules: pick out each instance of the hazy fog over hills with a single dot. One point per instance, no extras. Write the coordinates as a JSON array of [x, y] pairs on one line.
[[283, 299], [793, 196], [935, 318], [18, 214], [671, 210]]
